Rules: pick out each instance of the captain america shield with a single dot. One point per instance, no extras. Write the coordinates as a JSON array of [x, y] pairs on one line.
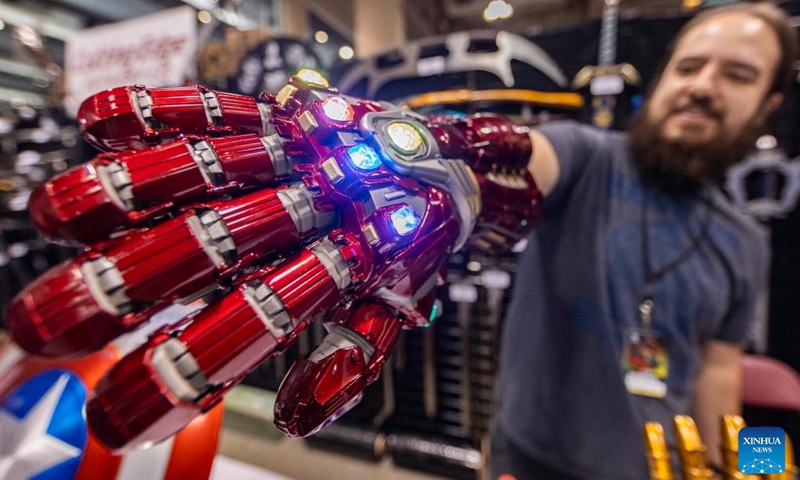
[[42, 438]]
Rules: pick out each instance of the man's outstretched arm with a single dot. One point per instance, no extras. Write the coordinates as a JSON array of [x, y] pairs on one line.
[[718, 391], [544, 163]]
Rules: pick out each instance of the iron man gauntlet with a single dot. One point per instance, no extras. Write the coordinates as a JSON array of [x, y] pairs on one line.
[[301, 205]]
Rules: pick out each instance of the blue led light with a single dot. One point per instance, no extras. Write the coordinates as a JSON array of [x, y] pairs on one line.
[[405, 220], [364, 157]]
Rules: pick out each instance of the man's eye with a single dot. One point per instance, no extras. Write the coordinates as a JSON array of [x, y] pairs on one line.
[[739, 77], [686, 69]]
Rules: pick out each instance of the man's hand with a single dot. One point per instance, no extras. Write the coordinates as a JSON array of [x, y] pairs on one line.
[[718, 391]]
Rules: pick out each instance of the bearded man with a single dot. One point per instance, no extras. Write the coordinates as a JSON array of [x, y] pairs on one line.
[[635, 297]]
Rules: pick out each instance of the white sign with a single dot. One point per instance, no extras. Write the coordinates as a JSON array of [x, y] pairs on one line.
[[463, 293], [431, 66], [156, 50], [607, 85]]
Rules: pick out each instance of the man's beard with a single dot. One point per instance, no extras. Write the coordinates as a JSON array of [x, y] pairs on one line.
[[682, 166]]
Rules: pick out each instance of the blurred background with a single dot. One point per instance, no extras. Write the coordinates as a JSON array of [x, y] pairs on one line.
[[534, 60]]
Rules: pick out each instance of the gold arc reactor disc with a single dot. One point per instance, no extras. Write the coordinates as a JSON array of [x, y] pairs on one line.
[[312, 78], [405, 137]]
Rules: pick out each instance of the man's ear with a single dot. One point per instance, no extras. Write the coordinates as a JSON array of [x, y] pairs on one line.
[[772, 102]]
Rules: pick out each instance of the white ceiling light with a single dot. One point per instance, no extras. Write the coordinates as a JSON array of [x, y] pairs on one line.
[[28, 37], [224, 15], [346, 53], [46, 23], [497, 10], [321, 36], [204, 16]]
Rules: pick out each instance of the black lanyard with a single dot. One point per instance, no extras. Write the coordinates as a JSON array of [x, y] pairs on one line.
[[651, 276]]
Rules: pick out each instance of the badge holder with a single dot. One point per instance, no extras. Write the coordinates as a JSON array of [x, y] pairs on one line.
[[644, 358]]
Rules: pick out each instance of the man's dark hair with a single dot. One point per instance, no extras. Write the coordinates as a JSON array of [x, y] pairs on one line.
[[680, 167], [773, 16]]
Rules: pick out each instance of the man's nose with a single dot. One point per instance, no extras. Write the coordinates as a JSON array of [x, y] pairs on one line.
[[704, 84]]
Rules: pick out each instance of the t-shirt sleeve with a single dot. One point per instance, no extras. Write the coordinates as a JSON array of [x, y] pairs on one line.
[[577, 146], [748, 295]]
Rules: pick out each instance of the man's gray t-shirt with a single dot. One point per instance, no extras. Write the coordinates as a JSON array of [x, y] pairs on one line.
[[560, 391]]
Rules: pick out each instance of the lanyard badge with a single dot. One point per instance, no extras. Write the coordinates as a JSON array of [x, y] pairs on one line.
[[645, 362], [644, 359]]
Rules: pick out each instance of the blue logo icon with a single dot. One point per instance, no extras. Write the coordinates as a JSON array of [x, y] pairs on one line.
[[762, 450], [42, 428]]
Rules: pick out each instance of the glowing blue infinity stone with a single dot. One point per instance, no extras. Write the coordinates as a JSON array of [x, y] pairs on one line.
[[364, 157], [405, 220]]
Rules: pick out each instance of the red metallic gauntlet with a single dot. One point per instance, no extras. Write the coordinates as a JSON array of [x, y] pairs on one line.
[[300, 205], [498, 151]]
